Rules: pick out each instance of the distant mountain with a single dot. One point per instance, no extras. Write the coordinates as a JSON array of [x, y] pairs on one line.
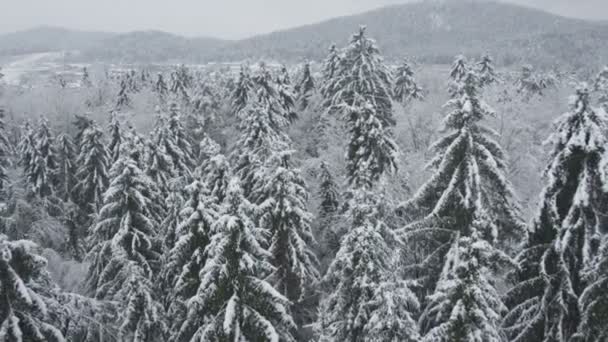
[[47, 38], [150, 46], [432, 31], [435, 31]]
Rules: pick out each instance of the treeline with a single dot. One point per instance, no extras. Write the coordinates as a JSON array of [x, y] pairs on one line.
[[189, 235]]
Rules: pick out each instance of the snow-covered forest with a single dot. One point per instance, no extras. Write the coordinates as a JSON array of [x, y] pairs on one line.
[[353, 198]]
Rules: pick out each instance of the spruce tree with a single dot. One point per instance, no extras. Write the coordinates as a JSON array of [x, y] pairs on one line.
[[261, 136], [593, 301], [283, 212], [123, 101], [458, 73], [124, 259], [66, 167], [485, 69], [25, 291], [187, 255], [363, 74], [305, 87], [466, 305], [328, 191], [600, 86], [27, 149], [5, 151], [177, 142], [116, 134], [216, 176], [160, 87], [330, 68], [276, 96], [468, 182], [234, 302], [364, 263], [40, 175], [406, 88], [242, 92], [92, 173], [372, 152], [566, 233]]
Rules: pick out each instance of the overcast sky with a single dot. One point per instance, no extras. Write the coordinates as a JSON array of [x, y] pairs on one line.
[[219, 18]]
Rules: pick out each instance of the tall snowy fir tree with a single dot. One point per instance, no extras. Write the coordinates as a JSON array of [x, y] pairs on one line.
[[458, 73], [466, 307], [486, 71], [123, 100], [329, 70], [5, 151], [363, 77], [92, 174], [354, 309], [567, 230], [177, 142], [468, 183], [187, 256], [160, 87], [261, 135], [41, 171], [234, 302], [406, 88], [283, 212], [116, 135], [593, 301], [328, 191], [305, 87], [27, 150], [125, 257], [66, 167], [242, 91], [217, 173], [25, 291]]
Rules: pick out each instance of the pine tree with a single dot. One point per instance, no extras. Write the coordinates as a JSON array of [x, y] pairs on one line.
[[468, 182], [466, 306], [27, 148], [177, 142], [65, 166], [81, 122], [234, 302], [187, 255], [86, 79], [458, 73], [277, 97], [125, 257], [593, 302], [261, 135], [158, 163], [116, 134], [406, 88], [328, 191], [24, 293], [123, 100], [331, 64], [364, 263], [92, 173], [485, 69], [600, 86], [545, 300], [241, 94], [363, 74], [5, 151], [371, 150], [283, 212], [160, 87], [40, 175], [216, 176], [305, 87]]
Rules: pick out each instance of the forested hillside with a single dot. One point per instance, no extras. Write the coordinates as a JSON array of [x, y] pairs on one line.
[[351, 199]]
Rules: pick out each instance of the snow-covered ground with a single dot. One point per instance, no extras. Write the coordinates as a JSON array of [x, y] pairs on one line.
[[22, 66]]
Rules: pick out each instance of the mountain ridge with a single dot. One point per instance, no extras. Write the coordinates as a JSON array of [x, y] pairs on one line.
[[431, 31]]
